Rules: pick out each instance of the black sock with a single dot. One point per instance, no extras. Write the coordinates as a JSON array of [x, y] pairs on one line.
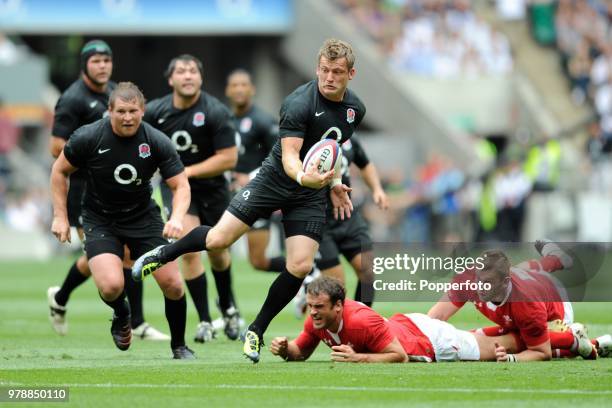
[[223, 281], [364, 293], [277, 264], [194, 241], [120, 305], [176, 314], [282, 290], [133, 290], [198, 288], [73, 280]]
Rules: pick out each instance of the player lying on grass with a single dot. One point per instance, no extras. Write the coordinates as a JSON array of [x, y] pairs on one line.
[[525, 301], [358, 334]]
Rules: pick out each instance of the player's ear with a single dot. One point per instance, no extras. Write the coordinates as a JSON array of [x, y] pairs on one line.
[[170, 82], [351, 73]]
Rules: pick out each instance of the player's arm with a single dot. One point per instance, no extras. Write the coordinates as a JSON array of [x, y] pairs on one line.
[[392, 353], [223, 160], [181, 197], [293, 165], [372, 180], [56, 146], [541, 352], [60, 172], [289, 350], [443, 310]]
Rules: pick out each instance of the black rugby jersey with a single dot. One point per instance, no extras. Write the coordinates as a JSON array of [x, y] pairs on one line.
[[196, 132], [258, 132], [118, 170], [305, 113]]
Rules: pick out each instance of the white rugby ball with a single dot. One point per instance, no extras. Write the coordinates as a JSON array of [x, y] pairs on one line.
[[328, 151]]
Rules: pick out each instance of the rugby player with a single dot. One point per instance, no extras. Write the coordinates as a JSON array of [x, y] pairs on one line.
[[258, 134], [118, 156], [358, 334], [525, 301], [84, 102], [199, 126], [320, 109]]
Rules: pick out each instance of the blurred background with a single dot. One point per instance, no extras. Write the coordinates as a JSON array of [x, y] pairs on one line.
[[487, 119]]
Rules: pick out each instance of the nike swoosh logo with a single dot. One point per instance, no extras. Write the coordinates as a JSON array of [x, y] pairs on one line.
[[93, 104], [161, 120], [100, 151], [317, 114]]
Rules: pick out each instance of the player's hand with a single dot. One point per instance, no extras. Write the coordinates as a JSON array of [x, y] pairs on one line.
[[341, 201], [61, 229], [500, 353], [279, 346], [380, 199], [344, 354], [173, 229], [313, 179]]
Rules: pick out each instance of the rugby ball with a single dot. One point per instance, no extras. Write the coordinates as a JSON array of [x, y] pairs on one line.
[[328, 151]]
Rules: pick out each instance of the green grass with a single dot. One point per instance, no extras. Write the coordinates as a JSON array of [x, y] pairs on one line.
[[97, 374]]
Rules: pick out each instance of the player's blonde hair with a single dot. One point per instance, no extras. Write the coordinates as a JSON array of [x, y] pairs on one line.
[[126, 91], [334, 49]]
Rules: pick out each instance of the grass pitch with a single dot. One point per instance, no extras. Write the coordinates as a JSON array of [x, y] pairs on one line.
[[98, 374]]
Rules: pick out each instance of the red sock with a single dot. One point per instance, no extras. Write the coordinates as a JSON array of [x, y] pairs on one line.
[[557, 353], [561, 340]]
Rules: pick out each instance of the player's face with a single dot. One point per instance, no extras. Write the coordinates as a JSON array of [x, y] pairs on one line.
[[239, 89], [186, 79], [333, 77], [126, 117], [498, 286], [100, 68], [324, 314]]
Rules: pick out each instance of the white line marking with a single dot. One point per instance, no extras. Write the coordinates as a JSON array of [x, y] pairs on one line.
[[320, 388]]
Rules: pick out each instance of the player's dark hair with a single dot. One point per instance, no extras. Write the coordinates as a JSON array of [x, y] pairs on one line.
[[330, 286], [184, 58], [334, 49], [126, 91], [496, 260], [239, 71]]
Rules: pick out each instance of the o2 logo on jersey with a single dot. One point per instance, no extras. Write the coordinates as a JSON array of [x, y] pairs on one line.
[[183, 142], [350, 115], [127, 174], [246, 194], [328, 133], [144, 150], [198, 119]]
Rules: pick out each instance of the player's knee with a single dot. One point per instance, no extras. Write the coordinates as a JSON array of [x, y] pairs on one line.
[[172, 288], [83, 266], [300, 267], [192, 262], [259, 261], [217, 241], [110, 290]]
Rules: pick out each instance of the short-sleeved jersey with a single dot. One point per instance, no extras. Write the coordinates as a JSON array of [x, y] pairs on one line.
[[532, 302], [258, 132], [118, 170], [196, 132], [352, 152], [306, 114], [367, 332], [79, 106]]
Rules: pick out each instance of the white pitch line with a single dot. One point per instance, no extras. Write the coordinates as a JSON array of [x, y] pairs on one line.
[[321, 388]]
